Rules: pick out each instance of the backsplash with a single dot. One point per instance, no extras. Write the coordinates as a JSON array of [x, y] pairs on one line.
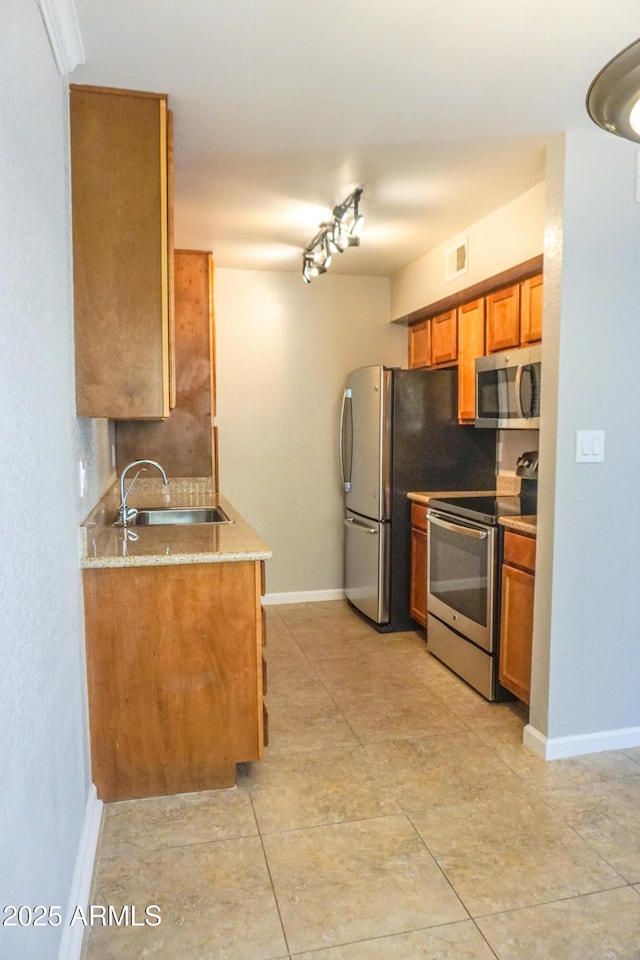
[[511, 445]]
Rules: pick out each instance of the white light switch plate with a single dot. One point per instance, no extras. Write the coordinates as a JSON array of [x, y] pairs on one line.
[[589, 446]]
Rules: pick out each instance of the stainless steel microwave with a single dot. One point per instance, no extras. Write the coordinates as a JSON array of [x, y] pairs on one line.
[[508, 389]]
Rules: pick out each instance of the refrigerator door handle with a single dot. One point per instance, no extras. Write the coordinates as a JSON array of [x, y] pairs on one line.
[[345, 467], [352, 522]]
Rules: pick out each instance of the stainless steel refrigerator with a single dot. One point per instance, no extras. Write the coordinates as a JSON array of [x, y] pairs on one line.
[[399, 432]]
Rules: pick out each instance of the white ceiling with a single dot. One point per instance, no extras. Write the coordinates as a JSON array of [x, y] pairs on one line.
[[440, 109]]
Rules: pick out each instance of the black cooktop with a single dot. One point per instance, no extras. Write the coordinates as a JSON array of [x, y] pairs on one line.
[[485, 509]]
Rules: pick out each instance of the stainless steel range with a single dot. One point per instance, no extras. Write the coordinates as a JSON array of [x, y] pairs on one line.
[[463, 583]]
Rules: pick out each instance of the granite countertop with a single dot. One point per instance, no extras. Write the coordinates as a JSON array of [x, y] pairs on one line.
[[524, 524], [105, 545]]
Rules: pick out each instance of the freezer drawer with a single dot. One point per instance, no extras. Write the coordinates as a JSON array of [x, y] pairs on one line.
[[367, 565]]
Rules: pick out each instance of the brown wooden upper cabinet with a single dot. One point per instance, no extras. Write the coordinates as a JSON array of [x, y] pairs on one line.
[[531, 310], [471, 344], [420, 344], [122, 252], [185, 441], [503, 319], [444, 338], [514, 315]]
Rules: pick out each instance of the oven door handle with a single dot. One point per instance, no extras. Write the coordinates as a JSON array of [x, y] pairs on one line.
[[458, 527]]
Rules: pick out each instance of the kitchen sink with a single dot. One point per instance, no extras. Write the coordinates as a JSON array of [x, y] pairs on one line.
[[158, 516]]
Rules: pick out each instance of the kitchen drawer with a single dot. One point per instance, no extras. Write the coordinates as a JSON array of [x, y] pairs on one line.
[[419, 516], [520, 550]]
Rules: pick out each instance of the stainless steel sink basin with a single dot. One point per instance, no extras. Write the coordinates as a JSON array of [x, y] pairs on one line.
[[169, 515]]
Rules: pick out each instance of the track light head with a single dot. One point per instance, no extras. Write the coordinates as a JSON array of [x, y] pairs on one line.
[[340, 232]]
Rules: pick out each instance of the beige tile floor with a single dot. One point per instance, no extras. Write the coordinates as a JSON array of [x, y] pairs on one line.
[[396, 816]]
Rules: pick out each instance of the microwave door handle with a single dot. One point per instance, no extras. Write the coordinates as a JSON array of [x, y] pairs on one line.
[[522, 369], [458, 528], [519, 371], [346, 477]]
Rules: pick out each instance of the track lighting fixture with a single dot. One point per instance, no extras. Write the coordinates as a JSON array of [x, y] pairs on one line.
[[613, 99], [340, 232]]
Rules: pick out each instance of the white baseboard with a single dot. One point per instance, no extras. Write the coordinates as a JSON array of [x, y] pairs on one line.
[[557, 748], [306, 596], [71, 943]]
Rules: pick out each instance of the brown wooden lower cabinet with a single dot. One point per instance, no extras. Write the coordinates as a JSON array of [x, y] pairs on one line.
[[418, 589], [516, 613], [175, 676]]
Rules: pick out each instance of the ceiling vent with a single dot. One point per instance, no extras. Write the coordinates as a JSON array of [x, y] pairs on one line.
[[456, 260]]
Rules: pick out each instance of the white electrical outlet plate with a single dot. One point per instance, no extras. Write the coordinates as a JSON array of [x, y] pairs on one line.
[[589, 446]]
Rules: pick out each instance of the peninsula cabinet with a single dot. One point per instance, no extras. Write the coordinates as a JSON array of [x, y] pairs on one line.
[[516, 613], [418, 588], [175, 675], [122, 252]]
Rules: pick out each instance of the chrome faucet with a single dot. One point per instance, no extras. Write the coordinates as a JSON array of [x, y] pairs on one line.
[[125, 513]]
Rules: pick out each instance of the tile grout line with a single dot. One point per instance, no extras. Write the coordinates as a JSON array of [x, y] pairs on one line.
[[273, 887]]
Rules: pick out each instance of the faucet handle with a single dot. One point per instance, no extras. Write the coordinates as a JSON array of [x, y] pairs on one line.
[[125, 514]]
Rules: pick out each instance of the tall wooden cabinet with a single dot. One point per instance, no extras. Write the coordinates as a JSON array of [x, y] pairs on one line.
[[471, 343], [185, 442], [122, 252]]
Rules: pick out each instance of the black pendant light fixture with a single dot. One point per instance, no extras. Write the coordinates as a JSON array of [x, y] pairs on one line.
[[613, 99]]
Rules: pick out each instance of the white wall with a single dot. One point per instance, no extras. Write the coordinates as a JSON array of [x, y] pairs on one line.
[[44, 766], [510, 235], [587, 639], [284, 349]]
